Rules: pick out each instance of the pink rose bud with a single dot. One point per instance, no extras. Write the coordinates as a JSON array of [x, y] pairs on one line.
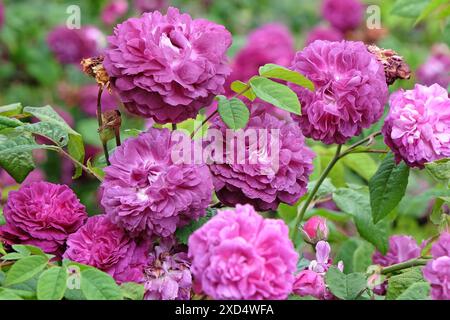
[[315, 230]]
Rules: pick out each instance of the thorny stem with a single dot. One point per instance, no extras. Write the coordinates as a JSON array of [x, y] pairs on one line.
[[338, 155], [404, 265], [217, 111], [100, 124]]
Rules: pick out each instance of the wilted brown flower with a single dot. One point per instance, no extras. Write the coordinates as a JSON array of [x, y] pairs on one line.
[[93, 67], [394, 65]]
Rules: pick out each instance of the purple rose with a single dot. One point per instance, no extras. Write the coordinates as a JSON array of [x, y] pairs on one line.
[[144, 191], [437, 271], [167, 274], [113, 10], [436, 69], [401, 249], [240, 255], [344, 15], [102, 244], [42, 214], [323, 33], [264, 175], [417, 128], [441, 247], [350, 90], [168, 67], [70, 46], [309, 283], [150, 5]]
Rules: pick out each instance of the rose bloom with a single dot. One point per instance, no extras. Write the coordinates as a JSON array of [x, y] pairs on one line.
[[401, 249], [264, 175], [271, 43], [103, 245], [150, 5], [42, 214], [7, 181], [144, 191], [240, 255], [70, 46], [417, 128], [113, 10], [437, 271], [88, 100], [323, 33], [350, 90], [168, 276], [343, 15], [167, 67], [309, 283], [436, 69]]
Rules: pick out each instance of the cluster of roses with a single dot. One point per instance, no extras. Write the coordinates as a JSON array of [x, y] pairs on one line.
[[168, 67]]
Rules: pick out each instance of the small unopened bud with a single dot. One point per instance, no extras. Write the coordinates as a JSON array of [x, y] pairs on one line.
[[315, 230], [394, 65], [94, 68]]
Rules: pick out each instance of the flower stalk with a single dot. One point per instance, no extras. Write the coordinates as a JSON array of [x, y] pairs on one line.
[[338, 155]]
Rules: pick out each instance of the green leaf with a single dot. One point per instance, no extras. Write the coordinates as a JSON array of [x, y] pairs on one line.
[[239, 87], [397, 284], [98, 285], [233, 112], [133, 291], [346, 253], [11, 109], [282, 73], [325, 189], [184, 233], [361, 163], [48, 114], [440, 169], [345, 286], [275, 93], [52, 131], [28, 249], [356, 203], [417, 291], [6, 122], [409, 8], [25, 269], [16, 155], [75, 144], [76, 150], [7, 294], [52, 284], [362, 257], [387, 187], [12, 256], [429, 9], [437, 212]]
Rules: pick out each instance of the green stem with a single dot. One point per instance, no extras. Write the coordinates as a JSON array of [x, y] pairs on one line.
[[336, 158], [100, 124], [312, 194], [404, 265]]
